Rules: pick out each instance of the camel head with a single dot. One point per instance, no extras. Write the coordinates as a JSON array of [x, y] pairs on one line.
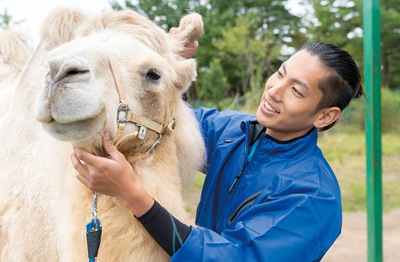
[[80, 99]]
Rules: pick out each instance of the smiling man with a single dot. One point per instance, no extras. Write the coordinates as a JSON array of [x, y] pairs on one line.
[[269, 194], [286, 107]]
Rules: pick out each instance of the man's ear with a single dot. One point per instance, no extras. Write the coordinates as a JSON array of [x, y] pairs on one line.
[[327, 116]]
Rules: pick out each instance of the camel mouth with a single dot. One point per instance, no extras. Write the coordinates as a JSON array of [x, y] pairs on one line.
[[71, 119], [76, 130]]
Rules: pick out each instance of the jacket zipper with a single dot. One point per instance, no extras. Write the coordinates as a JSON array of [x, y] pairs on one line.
[[240, 174], [236, 179], [249, 201]]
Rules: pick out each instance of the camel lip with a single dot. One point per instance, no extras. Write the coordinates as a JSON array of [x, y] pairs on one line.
[[66, 121], [74, 131]]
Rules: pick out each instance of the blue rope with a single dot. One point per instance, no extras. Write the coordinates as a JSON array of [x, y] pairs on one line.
[[175, 233]]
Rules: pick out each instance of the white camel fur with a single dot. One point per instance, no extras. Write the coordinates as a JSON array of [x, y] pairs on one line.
[[14, 52], [43, 208]]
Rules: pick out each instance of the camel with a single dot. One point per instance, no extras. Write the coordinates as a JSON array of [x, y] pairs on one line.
[[14, 52], [67, 96]]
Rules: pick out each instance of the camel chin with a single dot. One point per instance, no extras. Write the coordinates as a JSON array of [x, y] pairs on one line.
[[75, 131]]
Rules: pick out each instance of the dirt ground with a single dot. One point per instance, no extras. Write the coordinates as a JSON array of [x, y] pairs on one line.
[[351, 246], [352, 243]]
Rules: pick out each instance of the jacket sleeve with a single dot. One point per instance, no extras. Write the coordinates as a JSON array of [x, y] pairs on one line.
[[287, 225]]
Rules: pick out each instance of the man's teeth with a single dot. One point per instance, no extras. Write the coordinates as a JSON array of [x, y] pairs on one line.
[[270, 108]]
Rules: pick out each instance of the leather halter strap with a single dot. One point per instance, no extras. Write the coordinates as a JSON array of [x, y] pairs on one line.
[[124, 115]]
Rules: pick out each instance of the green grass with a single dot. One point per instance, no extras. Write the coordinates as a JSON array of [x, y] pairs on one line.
[[346, 155]]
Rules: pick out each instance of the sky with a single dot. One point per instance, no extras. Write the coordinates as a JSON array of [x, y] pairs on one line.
[[34, 12]]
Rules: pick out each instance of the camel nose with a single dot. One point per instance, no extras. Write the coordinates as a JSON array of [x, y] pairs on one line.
[[54, 64], [61, 67]]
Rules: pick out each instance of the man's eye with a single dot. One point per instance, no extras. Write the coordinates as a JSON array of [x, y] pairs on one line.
[[279, 73], [297, 92]]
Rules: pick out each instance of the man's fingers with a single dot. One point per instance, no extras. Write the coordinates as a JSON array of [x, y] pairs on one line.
[[174, 30], [109, 147], [82, 169], [190, 49], [87, 157], [78, 165], [84, 181]]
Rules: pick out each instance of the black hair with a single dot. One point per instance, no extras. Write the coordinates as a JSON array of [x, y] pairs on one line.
[[344, 80]]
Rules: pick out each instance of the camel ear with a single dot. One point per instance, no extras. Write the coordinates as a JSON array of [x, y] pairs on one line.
[[186, 74], [191, 27]]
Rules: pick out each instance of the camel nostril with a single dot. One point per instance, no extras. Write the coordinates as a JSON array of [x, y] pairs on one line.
[[65, 66], [74, 72]]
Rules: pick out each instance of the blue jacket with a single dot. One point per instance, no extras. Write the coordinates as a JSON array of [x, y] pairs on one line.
[[281, 205]]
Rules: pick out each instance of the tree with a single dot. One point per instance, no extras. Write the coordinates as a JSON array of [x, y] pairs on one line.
[[238, 44], [214, 85], [5, 20], [390, 34], [340, 22]]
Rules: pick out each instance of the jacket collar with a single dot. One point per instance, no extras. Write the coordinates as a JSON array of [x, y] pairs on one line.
[[270, 145]]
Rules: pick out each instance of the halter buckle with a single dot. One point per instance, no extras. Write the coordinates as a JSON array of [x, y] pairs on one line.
[[122, 114]]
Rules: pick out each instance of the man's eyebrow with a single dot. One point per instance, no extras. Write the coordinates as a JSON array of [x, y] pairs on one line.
[[301, 83], [296, 80]]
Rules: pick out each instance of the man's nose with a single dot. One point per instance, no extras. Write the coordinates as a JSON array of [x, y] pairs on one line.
[[276, 91]]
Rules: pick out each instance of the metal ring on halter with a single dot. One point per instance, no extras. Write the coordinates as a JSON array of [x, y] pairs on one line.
[[124, 109]]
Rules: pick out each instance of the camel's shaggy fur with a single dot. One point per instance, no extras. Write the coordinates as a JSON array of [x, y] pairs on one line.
[[14, 52], [43, 208]]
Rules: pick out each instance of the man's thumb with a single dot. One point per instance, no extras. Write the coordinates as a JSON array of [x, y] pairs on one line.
[[109, 146]]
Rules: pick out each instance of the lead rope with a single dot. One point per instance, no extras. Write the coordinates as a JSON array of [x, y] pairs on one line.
[[93, 232]]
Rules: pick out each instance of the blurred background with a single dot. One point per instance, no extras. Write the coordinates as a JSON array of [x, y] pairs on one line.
[[245, 41]]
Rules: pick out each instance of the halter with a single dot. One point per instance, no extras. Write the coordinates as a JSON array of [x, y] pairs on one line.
[[125, 115]]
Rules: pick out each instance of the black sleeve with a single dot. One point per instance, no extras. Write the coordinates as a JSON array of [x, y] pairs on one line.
[[166, 230]]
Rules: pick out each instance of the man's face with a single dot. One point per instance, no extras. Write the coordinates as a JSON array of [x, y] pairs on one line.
[[291, 95]]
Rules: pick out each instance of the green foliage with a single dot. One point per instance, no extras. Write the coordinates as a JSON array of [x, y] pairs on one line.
[[353, 117], [214, 85], [340, 22], [390, 34], [6, 20], [239, 46]]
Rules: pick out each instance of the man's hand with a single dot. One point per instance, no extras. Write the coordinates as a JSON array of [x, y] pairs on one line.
[[112, 176], [190, 48]]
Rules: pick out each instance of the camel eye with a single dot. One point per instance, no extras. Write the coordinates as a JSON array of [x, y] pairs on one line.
[[153, 74]]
